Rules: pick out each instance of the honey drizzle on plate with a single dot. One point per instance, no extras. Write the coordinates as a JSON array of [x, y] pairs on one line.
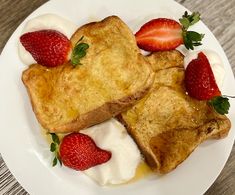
[[142, 171]]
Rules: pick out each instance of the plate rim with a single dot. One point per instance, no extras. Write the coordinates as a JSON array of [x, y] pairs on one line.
[[12, 38]]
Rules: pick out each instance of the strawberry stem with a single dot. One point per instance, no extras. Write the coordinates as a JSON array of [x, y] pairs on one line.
[[228, 96]]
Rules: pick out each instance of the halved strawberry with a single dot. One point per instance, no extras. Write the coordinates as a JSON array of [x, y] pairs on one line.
[[163, 34], [48, 47], [199, 79], [159, 34]]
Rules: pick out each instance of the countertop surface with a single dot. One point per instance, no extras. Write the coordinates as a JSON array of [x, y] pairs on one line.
[[218, 15]]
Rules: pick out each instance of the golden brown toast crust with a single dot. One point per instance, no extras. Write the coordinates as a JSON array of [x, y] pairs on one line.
[[167, 124], [112, 77]]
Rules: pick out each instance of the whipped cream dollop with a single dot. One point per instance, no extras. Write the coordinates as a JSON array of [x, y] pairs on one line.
[[214, 60], [112, 136], [43, 22]]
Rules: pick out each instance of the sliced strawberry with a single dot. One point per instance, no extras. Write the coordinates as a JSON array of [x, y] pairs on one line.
[[48, 47], [163, 34], [78, 151], [159, 34], [199, 79]]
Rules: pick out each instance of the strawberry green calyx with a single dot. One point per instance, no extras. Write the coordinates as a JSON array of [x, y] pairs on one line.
[[189, 20], [220, 104], [54, 147], [79, 52], [191, 38]]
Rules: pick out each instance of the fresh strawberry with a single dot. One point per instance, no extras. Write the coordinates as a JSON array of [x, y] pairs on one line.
[[166, 34], [200, 84], [48, 47], [78, 151], [159, 34], [199, 79]]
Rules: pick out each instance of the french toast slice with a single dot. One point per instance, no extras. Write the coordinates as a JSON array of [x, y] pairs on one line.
[[112, 76], [167, 124]]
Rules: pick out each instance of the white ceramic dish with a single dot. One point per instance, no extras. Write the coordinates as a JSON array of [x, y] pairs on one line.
[[25, 150]]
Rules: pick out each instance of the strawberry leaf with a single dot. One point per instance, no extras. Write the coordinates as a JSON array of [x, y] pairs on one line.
[[79, 52], [188, 44], [192, 39], [189, 20], [185, 22], [194, 36], [54, 162], [220, 104], [194, 18], [55, 138], [53, 147]]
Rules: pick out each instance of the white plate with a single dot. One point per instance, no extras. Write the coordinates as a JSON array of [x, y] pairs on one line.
[[25, 150]]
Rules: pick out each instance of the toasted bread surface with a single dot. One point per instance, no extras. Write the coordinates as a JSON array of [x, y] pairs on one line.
[[167, 124], [112, 77], [166, 59]]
